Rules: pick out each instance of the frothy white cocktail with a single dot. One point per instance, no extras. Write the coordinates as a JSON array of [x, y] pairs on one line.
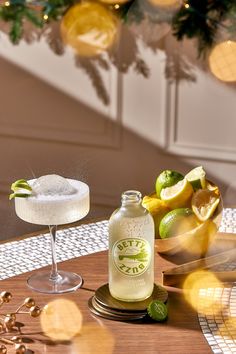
[[54, 200]]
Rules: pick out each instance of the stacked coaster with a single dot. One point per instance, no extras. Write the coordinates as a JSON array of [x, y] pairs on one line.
[[104, 305]]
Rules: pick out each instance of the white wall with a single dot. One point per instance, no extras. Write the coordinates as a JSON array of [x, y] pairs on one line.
[[52, 120]]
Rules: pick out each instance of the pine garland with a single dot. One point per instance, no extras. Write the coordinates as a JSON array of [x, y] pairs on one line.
[[202, 19], [198, 19]]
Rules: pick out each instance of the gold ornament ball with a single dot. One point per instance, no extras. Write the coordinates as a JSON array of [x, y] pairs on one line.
[[222, 61], [34, 311], [20, 348], [89, 28], [3, 349], [6, 296], [29, 302]]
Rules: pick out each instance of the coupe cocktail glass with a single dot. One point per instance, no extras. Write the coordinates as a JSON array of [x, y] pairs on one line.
[[57, 201]]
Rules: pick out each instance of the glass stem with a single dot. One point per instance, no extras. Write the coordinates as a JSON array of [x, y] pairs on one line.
[[54, 273]]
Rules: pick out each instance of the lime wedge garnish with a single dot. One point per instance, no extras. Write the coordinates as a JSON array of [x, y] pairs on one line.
[[16, 187], [21, 189], [197, 177], [157, 310], [18, 195]]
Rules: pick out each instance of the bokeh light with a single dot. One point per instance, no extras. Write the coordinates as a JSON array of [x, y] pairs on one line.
[[61, 319], [222, 61], [93, 339], [194, 290], [90, 28]]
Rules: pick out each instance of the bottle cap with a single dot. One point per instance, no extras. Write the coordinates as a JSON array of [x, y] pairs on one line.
[[157, 310]]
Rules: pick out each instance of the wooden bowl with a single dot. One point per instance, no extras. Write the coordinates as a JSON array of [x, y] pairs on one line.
[[194, 242]]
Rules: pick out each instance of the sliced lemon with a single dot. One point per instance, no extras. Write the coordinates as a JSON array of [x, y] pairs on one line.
[[197, 178], [204, 203], [178, 195], [212, 187], [166, 179]]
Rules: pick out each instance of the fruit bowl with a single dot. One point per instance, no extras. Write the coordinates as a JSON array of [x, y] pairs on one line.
[[187, 212], [194, 242]]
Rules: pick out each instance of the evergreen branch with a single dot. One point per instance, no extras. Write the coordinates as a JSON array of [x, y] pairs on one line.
[[33, 17], [16, 30], [198, 19], [201, 20]]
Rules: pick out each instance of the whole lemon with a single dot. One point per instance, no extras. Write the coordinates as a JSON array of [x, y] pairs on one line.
[[157, 208]]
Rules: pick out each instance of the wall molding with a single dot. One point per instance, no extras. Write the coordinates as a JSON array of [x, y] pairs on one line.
[[105, 132], [194, 149]]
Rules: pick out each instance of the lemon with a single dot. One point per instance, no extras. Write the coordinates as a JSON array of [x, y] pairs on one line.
[[212, 187], [167, 178], [157, 208], [197, 178], [177, 222], [204, 203], [177, 196]]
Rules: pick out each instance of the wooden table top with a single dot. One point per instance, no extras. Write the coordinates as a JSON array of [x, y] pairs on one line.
[[180, 334]]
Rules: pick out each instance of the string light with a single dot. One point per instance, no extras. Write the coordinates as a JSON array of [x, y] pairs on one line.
[[7, 3], [117, 6], [45, 17], [187, 6]]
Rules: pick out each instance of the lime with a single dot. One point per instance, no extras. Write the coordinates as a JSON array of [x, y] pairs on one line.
[[197, 178], [177, 196], [177, 222], [167, 178], [157, 310], [157, 208], [21, 189], [204, 203], [20, 184]]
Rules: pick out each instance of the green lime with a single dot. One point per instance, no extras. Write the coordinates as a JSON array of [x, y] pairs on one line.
[[157, 310], [157, 208], [197, 178], [177, 222], [21, 189], [167, 178]]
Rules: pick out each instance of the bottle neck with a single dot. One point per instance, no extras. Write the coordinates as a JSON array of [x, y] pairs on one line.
[[131, 198]]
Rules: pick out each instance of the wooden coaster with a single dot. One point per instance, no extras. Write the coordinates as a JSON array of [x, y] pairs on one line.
[[108, 310], [104, 298], [112, 316]]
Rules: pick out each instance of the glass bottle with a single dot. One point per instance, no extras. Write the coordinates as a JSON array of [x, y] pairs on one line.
[[131, 250]]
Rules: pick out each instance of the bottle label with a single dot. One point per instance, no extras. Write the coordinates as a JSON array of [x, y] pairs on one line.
[[131, 256]]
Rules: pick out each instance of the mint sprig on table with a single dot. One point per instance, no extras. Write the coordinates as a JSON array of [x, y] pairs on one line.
[[21, 189]]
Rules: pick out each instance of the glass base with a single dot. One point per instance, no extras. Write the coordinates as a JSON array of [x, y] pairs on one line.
[[66, 282]]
